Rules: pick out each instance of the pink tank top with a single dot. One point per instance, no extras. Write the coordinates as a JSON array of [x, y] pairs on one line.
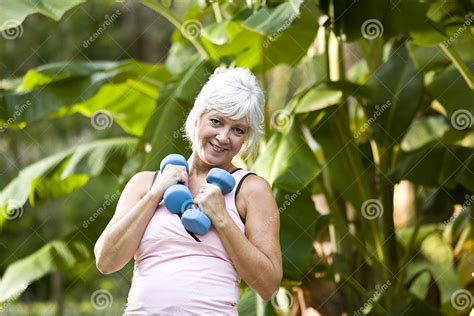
[[175, 274]]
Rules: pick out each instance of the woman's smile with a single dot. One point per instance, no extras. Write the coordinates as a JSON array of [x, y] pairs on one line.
[[217, 148]]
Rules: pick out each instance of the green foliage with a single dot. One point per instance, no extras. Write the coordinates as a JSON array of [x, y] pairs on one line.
[[299, 223], [399, 94], [16, 11], [446, 165], [62, 254], [63, 89], [164, 132], [74, 166], [411, 88], [251, 304], [289, 162]]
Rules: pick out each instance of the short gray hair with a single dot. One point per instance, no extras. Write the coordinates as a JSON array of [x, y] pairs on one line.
[[236, 93]]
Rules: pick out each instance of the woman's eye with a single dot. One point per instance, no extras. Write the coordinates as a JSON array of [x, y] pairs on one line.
[[239, 131], [214, 121]]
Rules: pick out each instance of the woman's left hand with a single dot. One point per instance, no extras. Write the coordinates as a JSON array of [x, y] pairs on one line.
[[211, 201]]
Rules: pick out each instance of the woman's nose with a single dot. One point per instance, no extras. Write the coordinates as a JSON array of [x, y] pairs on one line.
[[223, 136]]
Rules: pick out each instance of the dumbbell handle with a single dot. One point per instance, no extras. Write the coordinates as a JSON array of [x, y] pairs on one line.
[[176, 197], [194, 219]]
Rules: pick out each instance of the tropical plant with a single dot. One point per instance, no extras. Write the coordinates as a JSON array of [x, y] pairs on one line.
[[363, 96]]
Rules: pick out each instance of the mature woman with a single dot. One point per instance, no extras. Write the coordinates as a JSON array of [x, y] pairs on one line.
[[179, 273]]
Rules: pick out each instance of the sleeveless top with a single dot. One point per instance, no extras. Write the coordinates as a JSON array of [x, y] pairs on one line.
[[178, 273]]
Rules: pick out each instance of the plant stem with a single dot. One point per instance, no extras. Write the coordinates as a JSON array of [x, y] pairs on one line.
[[175, 21], [372, 52], [362, 292], [459, 64], [337, 73], [406, 257], [217, 11], [386, 189]]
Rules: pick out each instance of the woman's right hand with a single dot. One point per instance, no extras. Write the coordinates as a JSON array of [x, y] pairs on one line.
[[172, 174]]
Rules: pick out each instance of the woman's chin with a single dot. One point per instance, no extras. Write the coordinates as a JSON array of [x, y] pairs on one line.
[[213, 157]]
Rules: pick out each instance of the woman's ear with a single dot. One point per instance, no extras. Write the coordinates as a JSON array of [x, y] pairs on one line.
[[196, 124]]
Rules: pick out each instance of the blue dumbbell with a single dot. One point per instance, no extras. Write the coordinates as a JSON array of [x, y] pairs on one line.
[[194, 219], [174, 159], [177, 198]]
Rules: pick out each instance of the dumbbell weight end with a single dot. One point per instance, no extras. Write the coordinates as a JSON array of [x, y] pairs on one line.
[[196, 221]]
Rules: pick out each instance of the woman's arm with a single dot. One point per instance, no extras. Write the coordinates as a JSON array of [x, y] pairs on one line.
[[136, 206], [255, 255], [121, 238]]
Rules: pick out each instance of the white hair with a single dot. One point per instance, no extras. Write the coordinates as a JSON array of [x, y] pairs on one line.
[[235, 93]]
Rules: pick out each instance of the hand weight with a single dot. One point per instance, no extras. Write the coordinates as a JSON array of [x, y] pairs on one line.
[[177, 198], [194, 219]]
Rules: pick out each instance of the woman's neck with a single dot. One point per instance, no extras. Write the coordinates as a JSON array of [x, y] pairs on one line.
[[200, 168]]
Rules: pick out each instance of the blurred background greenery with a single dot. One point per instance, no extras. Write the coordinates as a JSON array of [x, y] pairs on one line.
[[368, 143], [139, 34]]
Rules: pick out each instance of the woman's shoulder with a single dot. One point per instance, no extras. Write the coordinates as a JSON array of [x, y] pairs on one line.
[[252, 187], [142, 180], [143, 175], [253, 182]]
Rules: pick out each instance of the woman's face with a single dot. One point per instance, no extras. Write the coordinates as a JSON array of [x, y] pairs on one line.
[[219, 138]]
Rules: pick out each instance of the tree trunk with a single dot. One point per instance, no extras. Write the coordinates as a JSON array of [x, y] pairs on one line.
[[57, 292]]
